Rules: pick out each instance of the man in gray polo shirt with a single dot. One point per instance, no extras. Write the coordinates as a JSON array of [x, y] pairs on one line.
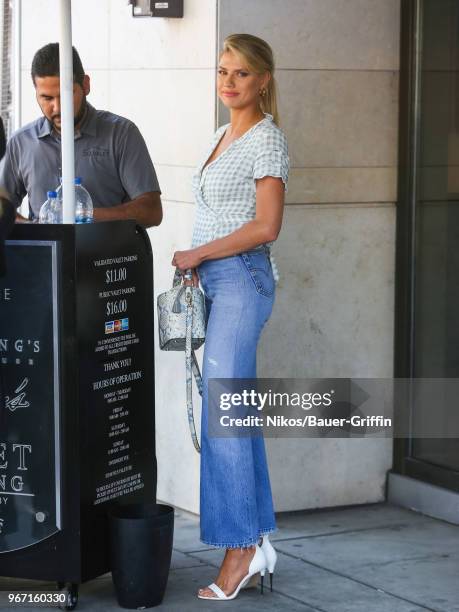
[[111, 156]]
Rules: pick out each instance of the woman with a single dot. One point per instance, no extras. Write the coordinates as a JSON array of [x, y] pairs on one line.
[[239, 189]]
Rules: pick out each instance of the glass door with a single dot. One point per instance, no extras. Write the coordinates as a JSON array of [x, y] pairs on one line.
[[429, 191]]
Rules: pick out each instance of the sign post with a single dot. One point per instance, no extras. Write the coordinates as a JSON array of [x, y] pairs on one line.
[[67, 113]]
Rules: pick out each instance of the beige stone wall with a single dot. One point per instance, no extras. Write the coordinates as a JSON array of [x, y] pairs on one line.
[[337, 70]]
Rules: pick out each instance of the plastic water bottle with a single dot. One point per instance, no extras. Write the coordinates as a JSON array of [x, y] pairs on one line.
[[58, 190], [48, 209], [84, 209], [55, 211]]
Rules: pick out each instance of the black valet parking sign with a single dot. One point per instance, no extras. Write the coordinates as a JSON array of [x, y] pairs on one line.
[[29, 396]]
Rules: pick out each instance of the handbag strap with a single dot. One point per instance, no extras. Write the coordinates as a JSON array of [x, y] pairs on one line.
[[177, 278], [196, 372], [191, 367]]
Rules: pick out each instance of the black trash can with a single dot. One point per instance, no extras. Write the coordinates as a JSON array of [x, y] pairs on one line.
[[141, 538]]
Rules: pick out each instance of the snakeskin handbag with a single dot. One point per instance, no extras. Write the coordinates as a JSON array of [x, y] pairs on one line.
[[182, 327]]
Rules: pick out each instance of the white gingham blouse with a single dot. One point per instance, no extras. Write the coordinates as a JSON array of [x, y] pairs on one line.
[[225, 190]]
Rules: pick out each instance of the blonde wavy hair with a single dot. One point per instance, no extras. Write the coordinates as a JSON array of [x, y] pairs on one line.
[[260, 59]]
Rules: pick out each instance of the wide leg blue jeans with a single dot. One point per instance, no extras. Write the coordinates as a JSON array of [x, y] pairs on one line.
[[235, 495]]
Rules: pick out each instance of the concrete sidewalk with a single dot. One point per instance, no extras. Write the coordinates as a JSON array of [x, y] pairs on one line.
[[374, 558]]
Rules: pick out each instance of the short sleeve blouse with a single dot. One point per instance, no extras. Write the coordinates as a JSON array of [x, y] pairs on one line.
[[225, 190]]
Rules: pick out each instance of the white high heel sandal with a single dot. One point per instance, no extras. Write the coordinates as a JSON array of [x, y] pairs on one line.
[[271, 560], [258, 564]]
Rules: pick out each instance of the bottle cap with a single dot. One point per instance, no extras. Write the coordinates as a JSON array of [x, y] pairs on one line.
[[78, 180], [52, 194]]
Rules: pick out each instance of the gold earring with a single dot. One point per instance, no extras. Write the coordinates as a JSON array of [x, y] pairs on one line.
[[262, 92]]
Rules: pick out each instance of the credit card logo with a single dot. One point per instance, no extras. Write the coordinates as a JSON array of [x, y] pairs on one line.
[[116, 326]]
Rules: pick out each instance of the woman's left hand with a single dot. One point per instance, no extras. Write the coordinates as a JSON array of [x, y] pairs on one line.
[[183, 260]]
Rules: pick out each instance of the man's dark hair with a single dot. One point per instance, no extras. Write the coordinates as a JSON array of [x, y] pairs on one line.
[[45, 63]]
